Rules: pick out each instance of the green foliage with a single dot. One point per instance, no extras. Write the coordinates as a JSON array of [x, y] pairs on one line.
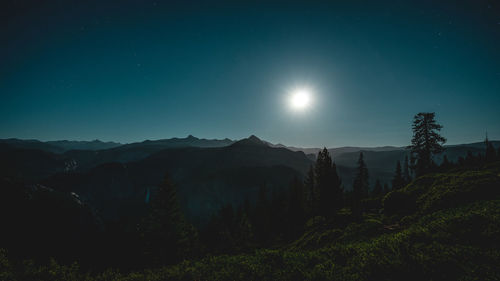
[[452, 233], [436, 247], [6, 273], [401, 203], [443, 190]]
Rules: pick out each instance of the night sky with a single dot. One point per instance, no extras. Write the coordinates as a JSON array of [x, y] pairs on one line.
[[134, 70]]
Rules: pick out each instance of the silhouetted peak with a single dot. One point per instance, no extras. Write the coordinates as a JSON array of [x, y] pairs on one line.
[[254, 138], [250, 141], [191, 137]]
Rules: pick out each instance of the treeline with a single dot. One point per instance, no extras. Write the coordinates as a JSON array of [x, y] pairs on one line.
[[164, 236], [277, 218]]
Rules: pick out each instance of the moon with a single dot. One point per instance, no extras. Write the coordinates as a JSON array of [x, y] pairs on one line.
[[300, 99]]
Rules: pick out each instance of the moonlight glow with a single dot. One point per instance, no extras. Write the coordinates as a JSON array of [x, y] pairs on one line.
[[300, 99]]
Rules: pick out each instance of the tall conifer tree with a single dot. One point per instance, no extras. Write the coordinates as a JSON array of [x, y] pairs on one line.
[[426, 142], [406, 171], [168, 237], [360, 186], [328, 184], [398, 180], [490, 154]]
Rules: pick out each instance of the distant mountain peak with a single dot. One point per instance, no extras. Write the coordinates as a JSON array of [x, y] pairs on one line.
[[254, 138], [250, 141], [191, 137]]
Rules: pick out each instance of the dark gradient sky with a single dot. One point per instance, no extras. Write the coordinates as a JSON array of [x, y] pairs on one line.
[[134, 70]]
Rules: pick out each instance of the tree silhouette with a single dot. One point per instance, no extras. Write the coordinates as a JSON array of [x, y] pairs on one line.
[[328, 184], [398, 180], [166, 234], [360, 185], [490, 154], [426, 142], [406, 171]]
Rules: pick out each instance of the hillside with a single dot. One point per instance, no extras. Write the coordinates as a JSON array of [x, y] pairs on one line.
[[449, 232], [442, 226]]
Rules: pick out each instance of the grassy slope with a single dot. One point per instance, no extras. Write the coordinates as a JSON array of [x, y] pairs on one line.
[[440, 227]]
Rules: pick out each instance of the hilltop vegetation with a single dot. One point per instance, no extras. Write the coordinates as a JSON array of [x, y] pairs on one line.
[[449, 231], [436, 222]]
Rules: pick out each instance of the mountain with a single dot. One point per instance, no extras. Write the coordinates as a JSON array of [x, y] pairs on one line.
[[382, 163], [182, 142], [59, 146], [207, 177], [350, 149], [29, 164], [338, 150], [86, 159], [251, 141], [31, 144], [149, 146], [60, 202], [83, 145]]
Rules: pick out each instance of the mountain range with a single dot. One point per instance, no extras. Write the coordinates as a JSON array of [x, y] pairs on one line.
[[117, 179]]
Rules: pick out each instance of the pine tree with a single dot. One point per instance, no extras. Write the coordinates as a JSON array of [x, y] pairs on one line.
[[328, 184], [426, 142], [168, 237], [244, 234], [490, 154], [360, 185], [338, 190], [377, 189], [406, 171], [398, 180]]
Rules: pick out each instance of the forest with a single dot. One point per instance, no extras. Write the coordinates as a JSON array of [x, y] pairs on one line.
[[432, 222]]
